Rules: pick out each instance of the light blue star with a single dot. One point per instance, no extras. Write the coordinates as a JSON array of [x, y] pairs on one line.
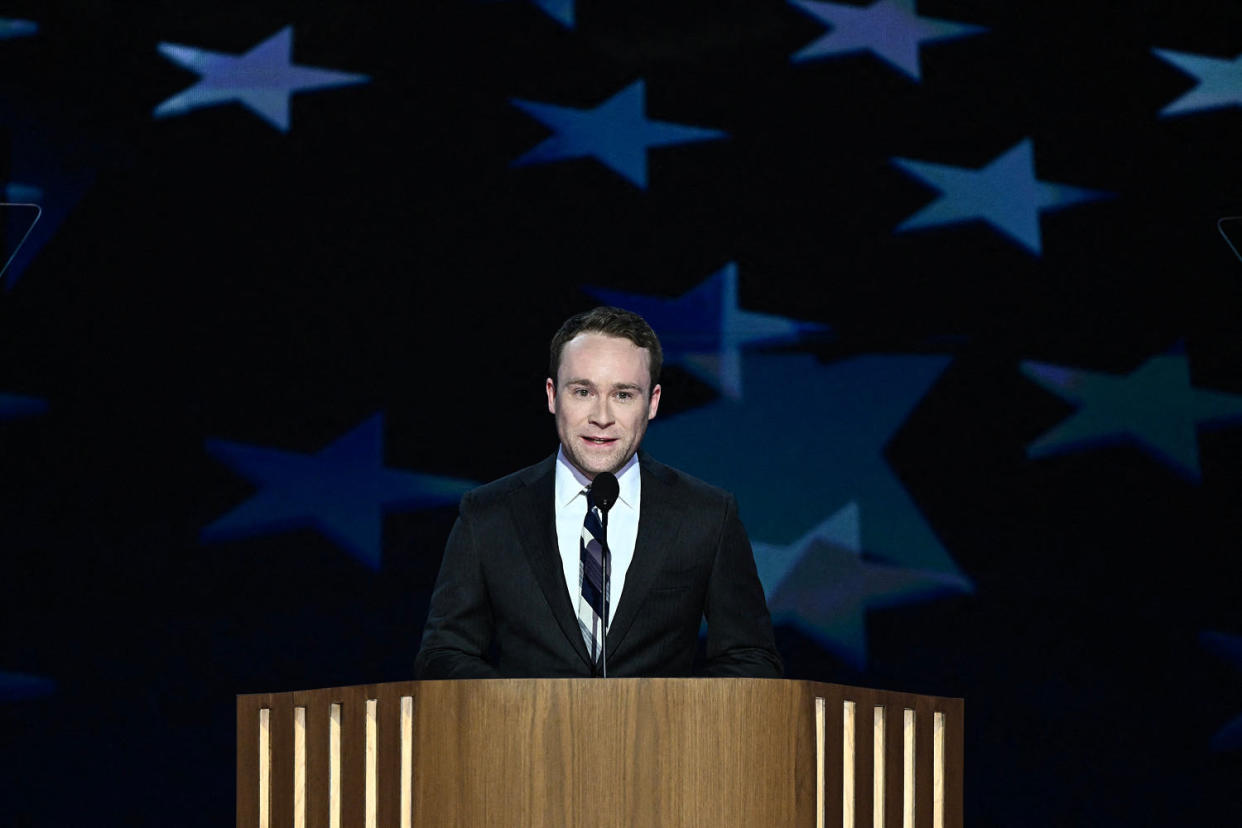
[[1229, 649], [808, 440], [261, 79], [340, 490], [705, 330], [822, 585], [1154, 406], [1004, 193], [1220, 81], [23, 687], [11, 28], [13, 407], [617, 133], [888, 28]]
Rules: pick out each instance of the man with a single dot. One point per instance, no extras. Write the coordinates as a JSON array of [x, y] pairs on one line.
[[509, 600]]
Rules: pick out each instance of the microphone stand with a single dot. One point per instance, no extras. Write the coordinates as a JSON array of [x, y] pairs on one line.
[[606, 561]]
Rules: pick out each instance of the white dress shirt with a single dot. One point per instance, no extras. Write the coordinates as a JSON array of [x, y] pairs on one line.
[[571, 507]]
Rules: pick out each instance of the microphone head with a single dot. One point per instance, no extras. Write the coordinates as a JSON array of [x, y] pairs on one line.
[[604, 490]]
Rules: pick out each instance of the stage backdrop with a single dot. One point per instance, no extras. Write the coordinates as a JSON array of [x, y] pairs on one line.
[[942, 290]]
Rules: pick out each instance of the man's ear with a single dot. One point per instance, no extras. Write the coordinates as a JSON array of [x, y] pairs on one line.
[[654, 402], [550, 387]]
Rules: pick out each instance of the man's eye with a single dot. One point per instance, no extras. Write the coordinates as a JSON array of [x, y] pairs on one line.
[[624, 395], [580, 392]]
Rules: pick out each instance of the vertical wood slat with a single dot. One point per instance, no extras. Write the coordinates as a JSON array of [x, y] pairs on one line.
[[937, 796], [334, 765], [882, 761], [849, 763], [371, 765], [407, 762], [299, 767], [265, 767], [317, 745], [821, 760], [909, 721]]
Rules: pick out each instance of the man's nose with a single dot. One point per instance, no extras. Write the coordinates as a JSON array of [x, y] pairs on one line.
[[601, 412]]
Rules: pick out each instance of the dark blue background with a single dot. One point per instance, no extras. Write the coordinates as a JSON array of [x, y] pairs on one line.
[[208, 277]]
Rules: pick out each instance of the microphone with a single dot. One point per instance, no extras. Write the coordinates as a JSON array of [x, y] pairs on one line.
[[604, 491]]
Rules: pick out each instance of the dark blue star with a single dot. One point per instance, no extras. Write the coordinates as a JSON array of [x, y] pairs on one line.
[[823, 585], [340, 490], [1220, 82], [18, 219], [809, 439], [1004, 193], [1229, 649], [888, 28], [22, 687], [705, 330], [11, 28], [562, 11], [1154, 406], [262, 79], [617, 133], [13, 407]]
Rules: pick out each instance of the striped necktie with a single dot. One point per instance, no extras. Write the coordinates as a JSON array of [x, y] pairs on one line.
[[591, 579]]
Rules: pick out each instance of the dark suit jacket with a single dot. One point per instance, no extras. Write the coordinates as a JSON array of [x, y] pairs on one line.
[[501, 607]]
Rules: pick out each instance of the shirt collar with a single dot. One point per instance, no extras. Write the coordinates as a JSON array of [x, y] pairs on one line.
[[570, 481]]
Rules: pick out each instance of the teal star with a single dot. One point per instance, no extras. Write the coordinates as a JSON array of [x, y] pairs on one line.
[[1004, 193], [1154, 406], [617, 133], [809, 438], [823, 585], [340, 490], [1220, 81], [889, 29], [262, 79], [706, 330]]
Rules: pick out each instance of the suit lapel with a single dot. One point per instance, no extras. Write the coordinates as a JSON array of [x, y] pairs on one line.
[[657, 532], [534, 515]]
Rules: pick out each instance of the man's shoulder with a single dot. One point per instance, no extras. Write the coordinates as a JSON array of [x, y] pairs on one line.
[[681, 484], [501, 489]]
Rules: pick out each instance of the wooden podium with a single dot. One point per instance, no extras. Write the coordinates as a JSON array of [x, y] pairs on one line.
[[652, 753]]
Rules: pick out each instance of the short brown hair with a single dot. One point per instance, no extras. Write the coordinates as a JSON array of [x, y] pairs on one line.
[[609, 321]]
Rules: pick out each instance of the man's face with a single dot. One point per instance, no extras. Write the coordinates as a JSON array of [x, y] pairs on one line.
[[601, 401]]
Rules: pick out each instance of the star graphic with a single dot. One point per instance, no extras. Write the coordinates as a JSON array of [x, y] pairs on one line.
[[1004, 193], [1154, 406], [617, 133], [11, 28], [261, 79], [809, 439], [1229, 649], [340, 490], [705, 330], [13, 407], [823, 585], [1220, 81], [22, 687], [888, 29]]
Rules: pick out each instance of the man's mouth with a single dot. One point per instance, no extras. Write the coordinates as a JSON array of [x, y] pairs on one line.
[[600, 441]]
